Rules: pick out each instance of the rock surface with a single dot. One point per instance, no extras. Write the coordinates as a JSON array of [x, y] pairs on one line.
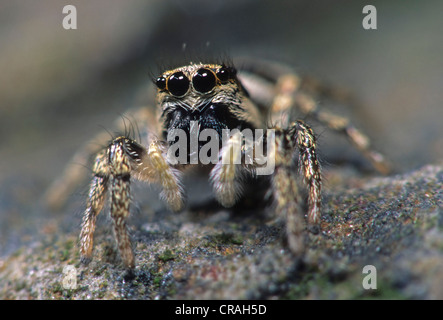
[[394, 224]]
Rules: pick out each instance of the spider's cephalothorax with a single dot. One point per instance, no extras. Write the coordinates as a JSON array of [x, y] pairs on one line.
[[210, 97]]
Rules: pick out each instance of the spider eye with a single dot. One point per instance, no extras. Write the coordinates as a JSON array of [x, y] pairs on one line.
[[225, 73], [203, 80], [161, 83], [178, 84]]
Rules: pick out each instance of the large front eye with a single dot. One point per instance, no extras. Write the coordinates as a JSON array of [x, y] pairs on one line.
[[203, 80], [178, 84]]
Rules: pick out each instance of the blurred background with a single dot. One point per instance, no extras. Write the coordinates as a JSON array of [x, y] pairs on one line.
[[58, 87]]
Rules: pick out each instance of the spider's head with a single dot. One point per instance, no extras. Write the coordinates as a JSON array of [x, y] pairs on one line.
[[194, 84], [209, 94]]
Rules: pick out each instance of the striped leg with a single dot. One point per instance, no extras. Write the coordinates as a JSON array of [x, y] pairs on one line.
[[299, 137], [124, 158]]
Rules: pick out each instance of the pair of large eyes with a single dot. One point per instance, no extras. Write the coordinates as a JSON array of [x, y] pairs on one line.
[[204, 80]]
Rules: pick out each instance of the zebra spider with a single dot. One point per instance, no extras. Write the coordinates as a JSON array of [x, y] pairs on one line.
[[211, 98]]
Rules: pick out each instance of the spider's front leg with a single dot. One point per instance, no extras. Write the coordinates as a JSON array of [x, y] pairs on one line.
[[95, 202], [124, 158], [299, 136]]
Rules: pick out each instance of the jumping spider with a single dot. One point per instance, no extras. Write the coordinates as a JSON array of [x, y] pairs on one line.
[[213, 96]]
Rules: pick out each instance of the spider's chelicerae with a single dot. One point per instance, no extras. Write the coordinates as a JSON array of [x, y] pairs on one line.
[[199, 98]]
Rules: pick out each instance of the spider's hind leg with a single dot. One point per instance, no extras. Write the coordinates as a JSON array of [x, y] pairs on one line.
[[290, 95]]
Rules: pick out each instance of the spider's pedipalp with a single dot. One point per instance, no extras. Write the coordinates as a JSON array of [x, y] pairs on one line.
[[157, 169], [225, 176]]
